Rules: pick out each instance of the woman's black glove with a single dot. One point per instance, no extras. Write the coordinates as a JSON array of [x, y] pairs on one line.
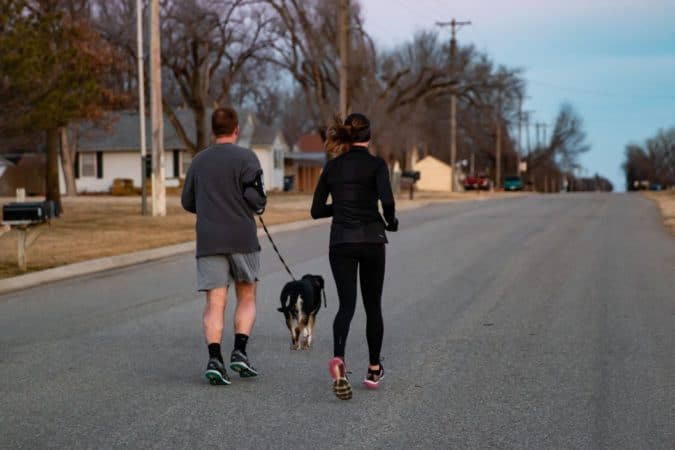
[[392, 226]]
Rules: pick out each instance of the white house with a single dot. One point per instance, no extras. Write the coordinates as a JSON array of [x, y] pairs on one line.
[[269, 145], [4, 164], [106, 153]]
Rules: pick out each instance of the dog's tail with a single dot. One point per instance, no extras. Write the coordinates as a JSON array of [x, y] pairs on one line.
[[284, 298]]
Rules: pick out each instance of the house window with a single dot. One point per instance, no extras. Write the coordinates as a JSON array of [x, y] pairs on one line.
[[278, 159], [88, 164], [185, 161]]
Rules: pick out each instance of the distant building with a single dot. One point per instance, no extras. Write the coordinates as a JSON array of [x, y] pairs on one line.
[[303, 165], [24, 170], [108, 153], [434, 174]]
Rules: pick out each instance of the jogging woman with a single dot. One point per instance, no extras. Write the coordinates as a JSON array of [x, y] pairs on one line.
[[355, 180]]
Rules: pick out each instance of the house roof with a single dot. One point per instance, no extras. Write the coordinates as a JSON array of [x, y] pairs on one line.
[[122, 132], [319, 157], [432, 160]]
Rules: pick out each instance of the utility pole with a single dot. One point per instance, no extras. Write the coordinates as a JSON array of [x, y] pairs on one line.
[[519, 152], [526, 119], [498, 144], [141, 100], [543, 127], [454, 26], [157, 115], [542, 142], [344, 57]]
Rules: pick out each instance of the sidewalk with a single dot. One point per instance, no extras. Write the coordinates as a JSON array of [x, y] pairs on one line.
[[99, 233]]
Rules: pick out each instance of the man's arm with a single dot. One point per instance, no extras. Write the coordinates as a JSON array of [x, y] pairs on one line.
[[187, 197], [253, 186]]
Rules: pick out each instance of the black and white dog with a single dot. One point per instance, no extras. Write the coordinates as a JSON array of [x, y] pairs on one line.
[[300, 302]]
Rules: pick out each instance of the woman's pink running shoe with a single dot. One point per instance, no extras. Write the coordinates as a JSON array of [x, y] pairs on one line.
[[338, 372], [374, 377]]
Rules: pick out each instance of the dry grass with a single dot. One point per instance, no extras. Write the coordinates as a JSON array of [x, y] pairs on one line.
[[666, 202], [98, 226]]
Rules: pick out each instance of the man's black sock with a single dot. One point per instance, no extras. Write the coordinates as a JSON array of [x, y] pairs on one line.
[[240, 341], [214, 352]]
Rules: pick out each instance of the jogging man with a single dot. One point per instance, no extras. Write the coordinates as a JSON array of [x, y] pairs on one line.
[[224, 188]]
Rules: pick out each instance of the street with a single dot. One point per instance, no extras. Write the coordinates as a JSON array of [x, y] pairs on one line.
[[542, 322]]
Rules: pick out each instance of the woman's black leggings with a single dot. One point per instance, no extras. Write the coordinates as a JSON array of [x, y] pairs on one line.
[[368, 259]]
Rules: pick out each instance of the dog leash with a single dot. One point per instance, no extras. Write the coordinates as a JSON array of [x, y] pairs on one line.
[[274, 246]]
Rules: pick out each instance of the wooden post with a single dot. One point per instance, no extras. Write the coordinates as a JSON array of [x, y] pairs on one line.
[[28, 234], [344, 58], [157, 115], [21, 255]]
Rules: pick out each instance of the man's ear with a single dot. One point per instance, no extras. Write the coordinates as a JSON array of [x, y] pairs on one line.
[[235, 133]]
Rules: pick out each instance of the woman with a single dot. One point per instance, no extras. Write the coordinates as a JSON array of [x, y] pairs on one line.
[[355, 180]]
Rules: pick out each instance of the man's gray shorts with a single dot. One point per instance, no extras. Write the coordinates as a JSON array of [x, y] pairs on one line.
[[216, 271]]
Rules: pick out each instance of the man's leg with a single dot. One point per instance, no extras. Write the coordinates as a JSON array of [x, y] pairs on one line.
[[245, 269], [214, 311], [244, 317], [244, 314]]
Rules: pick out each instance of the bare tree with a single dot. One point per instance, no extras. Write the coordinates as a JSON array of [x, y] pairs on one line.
[[211, 52], [208, 46], [652, 163]]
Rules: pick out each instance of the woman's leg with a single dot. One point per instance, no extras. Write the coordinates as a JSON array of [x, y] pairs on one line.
[[343, 263], [371, 272]]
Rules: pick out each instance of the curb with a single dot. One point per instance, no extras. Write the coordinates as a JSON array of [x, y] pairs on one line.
[[90, 266], [127, 259]]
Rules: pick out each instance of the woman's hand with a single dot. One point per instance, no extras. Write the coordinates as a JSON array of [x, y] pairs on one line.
[[392, 226]]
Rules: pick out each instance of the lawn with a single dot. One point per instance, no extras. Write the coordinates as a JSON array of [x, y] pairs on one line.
[[98, 226], [666, 202]]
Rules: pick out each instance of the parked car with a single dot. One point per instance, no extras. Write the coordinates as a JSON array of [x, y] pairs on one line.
[[513, 184], [478, 181]]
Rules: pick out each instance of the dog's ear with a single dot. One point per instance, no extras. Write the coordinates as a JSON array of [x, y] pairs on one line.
[[281, 310]]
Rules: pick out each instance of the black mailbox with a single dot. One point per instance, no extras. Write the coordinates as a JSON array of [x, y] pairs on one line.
[[29, 211], [414, 174]]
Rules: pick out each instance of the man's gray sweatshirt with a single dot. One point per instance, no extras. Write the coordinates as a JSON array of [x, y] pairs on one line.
[[214, 190]]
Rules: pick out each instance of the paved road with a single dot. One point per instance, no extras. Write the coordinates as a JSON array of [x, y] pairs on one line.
[[536, 322]]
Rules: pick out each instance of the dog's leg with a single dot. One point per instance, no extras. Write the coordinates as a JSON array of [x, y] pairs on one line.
[[297, 336], [305, 333], [292, 330], [309, 332]]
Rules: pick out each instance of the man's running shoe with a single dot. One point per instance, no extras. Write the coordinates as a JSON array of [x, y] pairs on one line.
[[239, 363], [374, 377], [215, 373], [338, 372]]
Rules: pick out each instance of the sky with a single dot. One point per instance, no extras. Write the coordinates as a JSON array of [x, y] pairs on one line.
[[613, 60]]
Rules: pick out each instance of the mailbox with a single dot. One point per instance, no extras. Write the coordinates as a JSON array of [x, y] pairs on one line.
[[413, 174], [34, 212]]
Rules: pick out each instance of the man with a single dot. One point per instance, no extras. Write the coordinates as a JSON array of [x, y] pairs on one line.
[[224, 188]]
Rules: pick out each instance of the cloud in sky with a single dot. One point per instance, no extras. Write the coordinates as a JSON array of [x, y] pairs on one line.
[[614, 60]]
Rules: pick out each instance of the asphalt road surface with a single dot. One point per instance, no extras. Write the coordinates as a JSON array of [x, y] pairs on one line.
[[533, 322]]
